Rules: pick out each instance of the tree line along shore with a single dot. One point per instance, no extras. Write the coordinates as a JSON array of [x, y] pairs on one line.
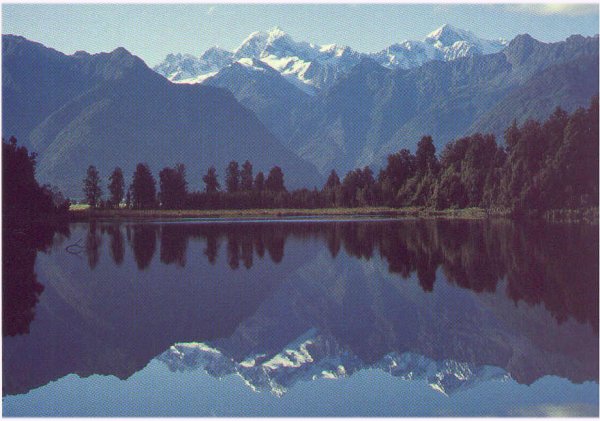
[[544, 169]]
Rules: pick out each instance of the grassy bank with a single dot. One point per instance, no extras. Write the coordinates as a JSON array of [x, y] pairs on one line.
[[80, 213], [83, 213]]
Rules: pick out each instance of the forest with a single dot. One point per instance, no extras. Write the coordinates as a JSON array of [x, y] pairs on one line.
[[540, 166], [23, 199]]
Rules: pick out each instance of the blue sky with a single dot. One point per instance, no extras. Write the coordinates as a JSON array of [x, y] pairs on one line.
[[151, 31]]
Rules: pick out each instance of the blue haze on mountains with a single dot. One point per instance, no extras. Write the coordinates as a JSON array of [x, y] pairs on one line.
[[112, 110]]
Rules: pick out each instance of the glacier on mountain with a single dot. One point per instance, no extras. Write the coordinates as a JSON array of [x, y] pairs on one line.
[[313, 67], [186, 68]]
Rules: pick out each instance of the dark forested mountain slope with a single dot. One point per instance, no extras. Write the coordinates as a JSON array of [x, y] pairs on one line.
[[37, 80], [111, 110], [568, 85]]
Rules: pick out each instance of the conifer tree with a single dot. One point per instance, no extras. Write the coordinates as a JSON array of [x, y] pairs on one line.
[[116, 187], [232, 177], [143, 188], [91, 187], [246, 176], [210, 180], [259, 182], [274, 180]]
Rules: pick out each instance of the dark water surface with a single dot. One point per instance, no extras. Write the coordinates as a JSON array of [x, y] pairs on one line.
[[301, 318]]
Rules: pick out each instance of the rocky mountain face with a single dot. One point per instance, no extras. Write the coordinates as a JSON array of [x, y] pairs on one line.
[[568, 85], [265, 91], [111, 110], [37, 80]]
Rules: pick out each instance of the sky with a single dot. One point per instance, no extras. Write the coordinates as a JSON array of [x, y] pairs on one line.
[[151, 31]]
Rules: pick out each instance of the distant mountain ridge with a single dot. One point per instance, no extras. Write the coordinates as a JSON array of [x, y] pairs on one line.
[[314, 67], [194, 69], [320, 357], [110, 109], [444, 44]]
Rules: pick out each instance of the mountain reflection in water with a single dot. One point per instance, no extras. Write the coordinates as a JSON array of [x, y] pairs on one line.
[[453, 302]]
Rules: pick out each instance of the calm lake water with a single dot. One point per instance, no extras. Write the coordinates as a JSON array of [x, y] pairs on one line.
[[301, 318]]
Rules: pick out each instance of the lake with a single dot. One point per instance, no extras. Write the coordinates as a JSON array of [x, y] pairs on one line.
[[301, 318]]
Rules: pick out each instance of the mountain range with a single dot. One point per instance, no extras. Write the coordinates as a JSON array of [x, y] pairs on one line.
[[314, 67], [313, 108], [110, 109], [371, 110]]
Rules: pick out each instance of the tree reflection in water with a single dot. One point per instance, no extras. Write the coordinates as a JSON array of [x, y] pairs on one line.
[[550, 264], [212, 248], [144, 244], [117, 246], [173, 244], [93, 241], [20, 287], [538, 260]]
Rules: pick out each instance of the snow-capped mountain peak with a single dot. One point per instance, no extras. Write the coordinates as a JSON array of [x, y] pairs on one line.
[[252, 45], [186, 68], [445, 43], [216, 55], [455, 42], [327, 48], [312, 67], [446, 35], [276, 32]]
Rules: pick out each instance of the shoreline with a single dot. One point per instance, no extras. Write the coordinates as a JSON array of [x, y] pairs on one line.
[[587, 216], [256, 214]]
